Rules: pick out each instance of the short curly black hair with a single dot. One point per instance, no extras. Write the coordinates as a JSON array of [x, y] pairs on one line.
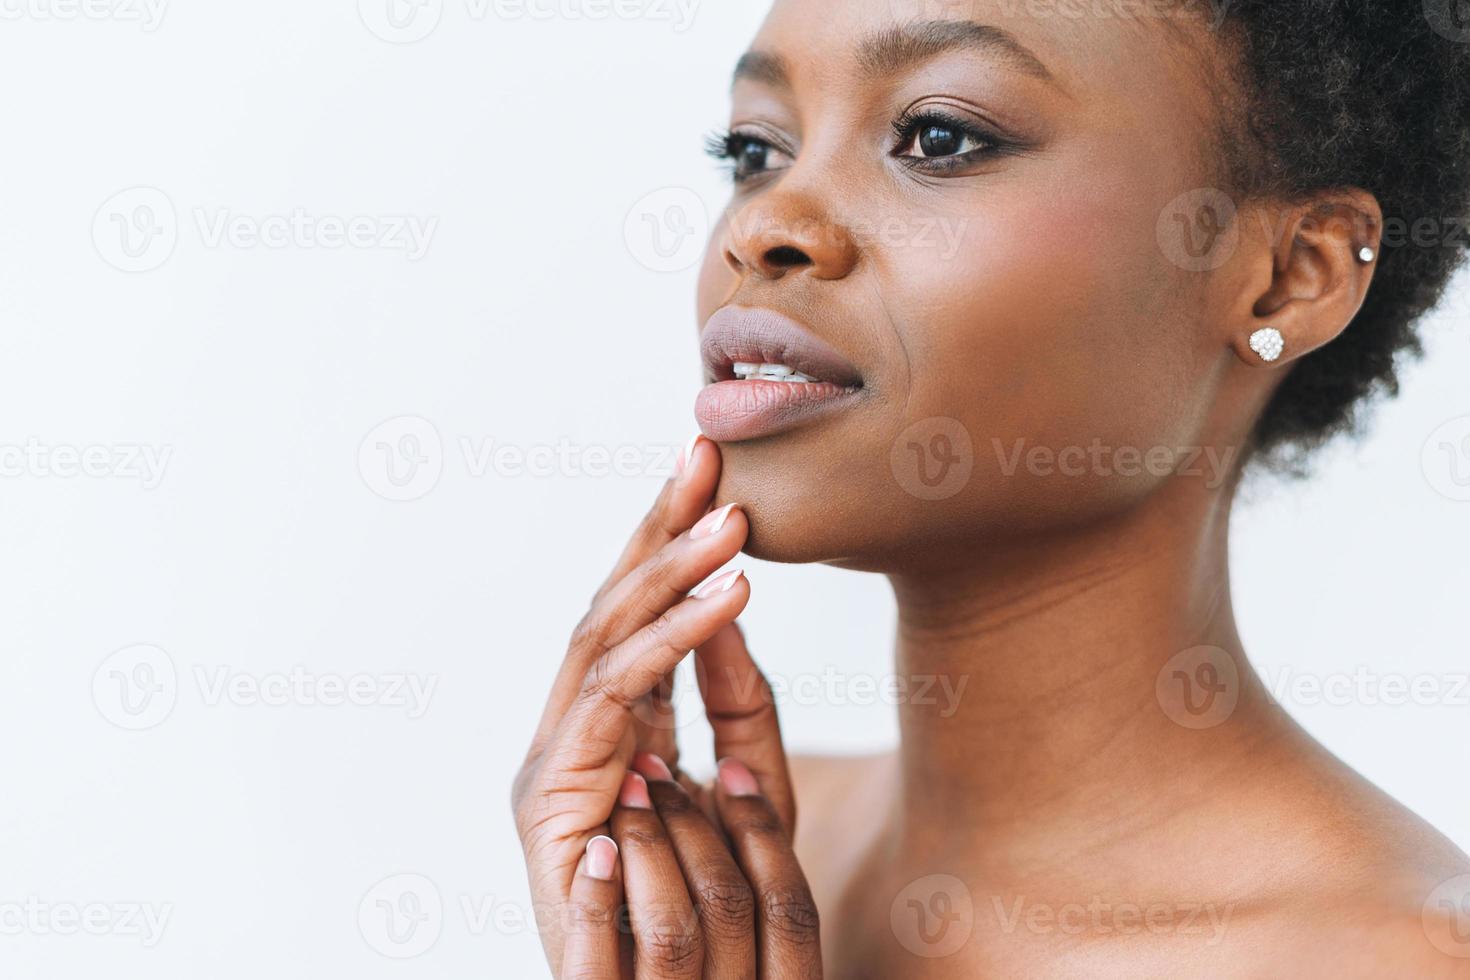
[[1373, 94]]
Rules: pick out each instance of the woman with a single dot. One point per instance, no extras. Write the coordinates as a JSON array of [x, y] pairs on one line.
[[1008, 295]]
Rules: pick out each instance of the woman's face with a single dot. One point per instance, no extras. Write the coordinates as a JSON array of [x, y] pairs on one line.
[[973, 211]]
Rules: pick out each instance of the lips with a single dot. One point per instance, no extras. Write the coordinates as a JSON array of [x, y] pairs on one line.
[[768, 375]]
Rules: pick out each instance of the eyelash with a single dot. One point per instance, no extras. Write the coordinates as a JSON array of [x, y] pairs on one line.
[[726, 146]]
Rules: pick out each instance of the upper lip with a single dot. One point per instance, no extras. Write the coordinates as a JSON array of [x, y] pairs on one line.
[[739, 334]]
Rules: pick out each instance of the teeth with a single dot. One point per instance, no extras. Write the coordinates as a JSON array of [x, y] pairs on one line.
[[771, 372]]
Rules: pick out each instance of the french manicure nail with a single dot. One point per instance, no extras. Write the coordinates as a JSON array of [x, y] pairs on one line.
[[687, 455], [602, 858], [737, 780], [719, 585], [651, 766], [634, 793], [711, 523]]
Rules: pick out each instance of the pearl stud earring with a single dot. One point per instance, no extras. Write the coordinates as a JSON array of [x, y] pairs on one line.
[[1367, 254], [1268, 343]]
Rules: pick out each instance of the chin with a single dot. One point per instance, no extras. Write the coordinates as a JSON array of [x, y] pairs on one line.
[[799, 514]]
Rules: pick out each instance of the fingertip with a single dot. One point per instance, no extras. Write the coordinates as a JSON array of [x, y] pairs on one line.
[[736, 779], [651, 766], [721, 584], [601, 858], [634, 793]]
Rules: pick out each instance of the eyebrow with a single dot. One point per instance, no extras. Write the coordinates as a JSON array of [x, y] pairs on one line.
[[897, 48], [761, 66], [893, 50]]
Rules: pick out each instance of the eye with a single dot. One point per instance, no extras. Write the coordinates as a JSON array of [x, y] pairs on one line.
[[941, 139], [747, 155], [937, 142]]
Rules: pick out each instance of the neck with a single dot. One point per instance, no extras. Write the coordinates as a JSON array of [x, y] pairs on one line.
[[1045, 710]]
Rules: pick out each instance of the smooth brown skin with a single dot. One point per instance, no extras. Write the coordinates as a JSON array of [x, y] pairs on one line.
[[1059, 320]]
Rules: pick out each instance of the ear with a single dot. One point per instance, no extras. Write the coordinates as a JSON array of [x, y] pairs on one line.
[[1308, 274]]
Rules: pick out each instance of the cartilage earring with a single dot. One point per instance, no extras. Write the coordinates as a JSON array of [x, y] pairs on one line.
[[1366, 254], [1268, 343]]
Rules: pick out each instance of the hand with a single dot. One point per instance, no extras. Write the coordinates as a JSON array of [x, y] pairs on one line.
[[695, 908], [641, 624], [707, 874]]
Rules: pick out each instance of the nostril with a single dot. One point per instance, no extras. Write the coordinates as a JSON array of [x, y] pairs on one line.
[[786, 257]]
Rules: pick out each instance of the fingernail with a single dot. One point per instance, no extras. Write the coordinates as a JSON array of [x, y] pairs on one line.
[[719, 585], [602, 858], [711, 523], [687, 455], [634, 793], [737, 780], [652, 767]]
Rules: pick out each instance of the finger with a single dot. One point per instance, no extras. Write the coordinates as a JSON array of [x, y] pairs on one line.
[[593, 942], [683, 500], [594, 724], [722, 898], [667, 943], [643, 595], [742, 712], [786, 917], [655, 722]]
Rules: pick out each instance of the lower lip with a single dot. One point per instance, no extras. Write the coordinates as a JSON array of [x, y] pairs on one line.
[[735, 411]]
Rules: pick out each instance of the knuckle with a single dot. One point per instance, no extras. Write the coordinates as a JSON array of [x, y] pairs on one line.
[[671, 946], [761, 824], [672, 801], [790, 914], [587, 915], [727, 904], [645, 838], [590, 631], [600, 684]]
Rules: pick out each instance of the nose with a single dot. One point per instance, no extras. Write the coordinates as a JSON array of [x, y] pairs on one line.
[[787, 232]]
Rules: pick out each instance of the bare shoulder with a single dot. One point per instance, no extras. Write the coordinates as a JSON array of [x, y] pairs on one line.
[[1390, 896]]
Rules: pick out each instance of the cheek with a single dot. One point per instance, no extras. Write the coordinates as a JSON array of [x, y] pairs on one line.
[[1054, 328]]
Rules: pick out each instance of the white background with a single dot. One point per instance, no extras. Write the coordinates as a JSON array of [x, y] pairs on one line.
[[532, 320]]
